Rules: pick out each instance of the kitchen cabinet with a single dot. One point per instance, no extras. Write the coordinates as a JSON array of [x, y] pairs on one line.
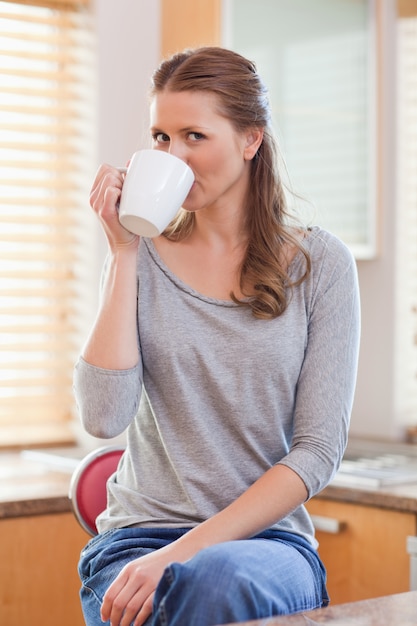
[[364, 549], [38, 570]]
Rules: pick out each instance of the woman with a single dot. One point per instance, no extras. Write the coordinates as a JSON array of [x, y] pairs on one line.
[[228, 349]]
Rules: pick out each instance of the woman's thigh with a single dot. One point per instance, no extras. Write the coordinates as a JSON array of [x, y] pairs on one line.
[[240, 581], [273, 574]]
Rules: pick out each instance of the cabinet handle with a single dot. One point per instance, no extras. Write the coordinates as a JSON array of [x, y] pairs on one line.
[[412, 551], [327, 524]]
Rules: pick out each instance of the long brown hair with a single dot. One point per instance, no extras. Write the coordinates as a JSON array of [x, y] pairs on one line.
[[243, 99]]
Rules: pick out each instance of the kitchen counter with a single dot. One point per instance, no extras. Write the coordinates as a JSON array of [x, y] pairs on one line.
[[37, 482], [34, 504], [395, 610], [400, 497], [397, 498]]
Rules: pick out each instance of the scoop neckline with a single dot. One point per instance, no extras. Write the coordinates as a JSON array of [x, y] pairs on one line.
[[176, 280]]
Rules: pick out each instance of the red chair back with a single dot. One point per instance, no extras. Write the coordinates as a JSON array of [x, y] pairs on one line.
[[87, 492]]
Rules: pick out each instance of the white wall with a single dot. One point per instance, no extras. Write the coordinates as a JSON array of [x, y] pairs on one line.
[[127, 38], [128, 49], [128, 46]]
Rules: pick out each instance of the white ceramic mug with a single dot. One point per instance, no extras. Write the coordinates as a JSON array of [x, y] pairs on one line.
[[155, 186]]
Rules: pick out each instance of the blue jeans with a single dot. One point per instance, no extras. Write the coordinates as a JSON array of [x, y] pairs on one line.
[[274, 573]]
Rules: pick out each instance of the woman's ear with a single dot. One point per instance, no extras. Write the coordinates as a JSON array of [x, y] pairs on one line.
[[254, 138]]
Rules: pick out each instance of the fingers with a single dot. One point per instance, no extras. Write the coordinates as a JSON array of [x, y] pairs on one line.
[[145, 611], [106, 189], [129, 598], [123, 613], [104, 200], [127, 602]]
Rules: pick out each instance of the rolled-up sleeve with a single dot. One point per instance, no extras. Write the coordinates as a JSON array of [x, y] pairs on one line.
[[107, 400]]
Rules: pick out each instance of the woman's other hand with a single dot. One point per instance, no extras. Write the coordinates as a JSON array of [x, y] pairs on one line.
[[129, 598]]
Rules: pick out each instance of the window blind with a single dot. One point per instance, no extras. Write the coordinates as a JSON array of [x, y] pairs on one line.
[[46, 155], [406, 205]]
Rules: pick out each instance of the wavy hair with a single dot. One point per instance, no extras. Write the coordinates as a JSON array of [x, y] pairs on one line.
[[243, 99]]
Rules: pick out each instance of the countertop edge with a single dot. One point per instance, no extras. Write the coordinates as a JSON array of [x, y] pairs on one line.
[[39, 506], [394, 499], [41, 488]]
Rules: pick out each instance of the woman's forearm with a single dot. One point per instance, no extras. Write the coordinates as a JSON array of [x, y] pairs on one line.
[[113, 342], [271, 498]]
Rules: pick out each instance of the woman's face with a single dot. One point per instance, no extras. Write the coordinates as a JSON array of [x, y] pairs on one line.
[[188, 125]]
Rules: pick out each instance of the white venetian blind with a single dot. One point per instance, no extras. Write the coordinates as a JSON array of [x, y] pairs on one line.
[[406, 241], [46, 156]]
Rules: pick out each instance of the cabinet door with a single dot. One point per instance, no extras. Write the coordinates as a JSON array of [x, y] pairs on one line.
[[367, 557], [38, 570]]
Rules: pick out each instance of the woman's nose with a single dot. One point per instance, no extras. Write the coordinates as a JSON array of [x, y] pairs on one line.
[[178, 149]]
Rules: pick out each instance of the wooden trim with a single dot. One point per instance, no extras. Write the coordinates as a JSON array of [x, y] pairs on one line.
[[407, 8], [189, 24]]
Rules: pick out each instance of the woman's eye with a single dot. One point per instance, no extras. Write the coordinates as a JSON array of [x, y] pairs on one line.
[[196, 136], [160, 137]]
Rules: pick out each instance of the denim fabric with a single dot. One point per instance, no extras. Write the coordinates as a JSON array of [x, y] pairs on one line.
[[274, 573]]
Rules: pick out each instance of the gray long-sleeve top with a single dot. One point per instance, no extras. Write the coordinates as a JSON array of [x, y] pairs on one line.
[[218, 396]]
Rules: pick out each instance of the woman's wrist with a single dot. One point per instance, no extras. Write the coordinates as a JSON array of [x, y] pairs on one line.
[[130, 246]]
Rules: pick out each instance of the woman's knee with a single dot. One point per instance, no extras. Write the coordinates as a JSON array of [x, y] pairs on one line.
[[211, 588], [237, 581]]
